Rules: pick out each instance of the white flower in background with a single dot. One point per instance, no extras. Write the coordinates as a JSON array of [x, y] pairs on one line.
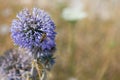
[[71, 14], [74, 12], [4, 29], [7, 12]]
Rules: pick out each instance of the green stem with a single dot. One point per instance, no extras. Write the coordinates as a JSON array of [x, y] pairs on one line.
[[72, 48]]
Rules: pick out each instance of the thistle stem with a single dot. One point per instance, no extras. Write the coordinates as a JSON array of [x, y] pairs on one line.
[[38, 72], [44, 75], [72, 47]]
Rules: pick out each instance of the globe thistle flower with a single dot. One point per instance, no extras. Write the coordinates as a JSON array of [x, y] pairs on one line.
[[33, 29], [14, 65], [46, 57], [17, 64]]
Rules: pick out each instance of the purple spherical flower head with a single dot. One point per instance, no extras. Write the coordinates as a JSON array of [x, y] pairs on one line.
[[14, 64], [33, 29]]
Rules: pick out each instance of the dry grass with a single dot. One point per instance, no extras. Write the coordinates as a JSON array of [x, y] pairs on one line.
[[94, 54]]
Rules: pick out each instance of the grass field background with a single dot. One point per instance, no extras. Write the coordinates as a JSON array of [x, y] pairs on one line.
[[87, 50]]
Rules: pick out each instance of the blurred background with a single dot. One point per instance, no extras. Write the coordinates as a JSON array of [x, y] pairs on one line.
[[88, 39]]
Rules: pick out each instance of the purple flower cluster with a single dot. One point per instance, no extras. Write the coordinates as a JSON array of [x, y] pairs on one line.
[[14, 65], [33, 29]]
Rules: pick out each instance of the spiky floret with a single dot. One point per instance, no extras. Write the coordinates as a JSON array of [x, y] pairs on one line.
[[33, 29], [14, 65], [17, 64]]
